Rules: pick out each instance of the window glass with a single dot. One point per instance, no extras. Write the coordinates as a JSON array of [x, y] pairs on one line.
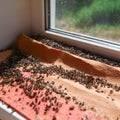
[[97, 18]]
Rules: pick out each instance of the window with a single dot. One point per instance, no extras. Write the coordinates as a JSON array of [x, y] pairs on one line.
[[63, 21], [97, 18]]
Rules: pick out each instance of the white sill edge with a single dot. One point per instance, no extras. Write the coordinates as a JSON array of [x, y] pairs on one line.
[[11, 113]]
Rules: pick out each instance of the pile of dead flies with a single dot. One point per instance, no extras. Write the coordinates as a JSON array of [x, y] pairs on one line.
[[32, 85], [76, 51]]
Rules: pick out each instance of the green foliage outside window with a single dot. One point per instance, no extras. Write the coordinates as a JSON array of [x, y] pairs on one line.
[[90, 12], [99, 18]]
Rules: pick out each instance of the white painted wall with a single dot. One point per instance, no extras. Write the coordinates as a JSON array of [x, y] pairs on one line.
[[15, 17], [37, 16]]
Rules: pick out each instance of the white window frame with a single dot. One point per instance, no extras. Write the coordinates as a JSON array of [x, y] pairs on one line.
[[105, 48], [53, 8]]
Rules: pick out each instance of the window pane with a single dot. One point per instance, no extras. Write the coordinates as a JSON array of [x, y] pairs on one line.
[[97, 18]]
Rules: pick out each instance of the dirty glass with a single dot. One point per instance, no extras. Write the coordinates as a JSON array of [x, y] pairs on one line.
[[96, 18]]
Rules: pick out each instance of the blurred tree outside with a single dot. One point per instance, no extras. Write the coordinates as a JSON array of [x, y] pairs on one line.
[[92, 15]]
